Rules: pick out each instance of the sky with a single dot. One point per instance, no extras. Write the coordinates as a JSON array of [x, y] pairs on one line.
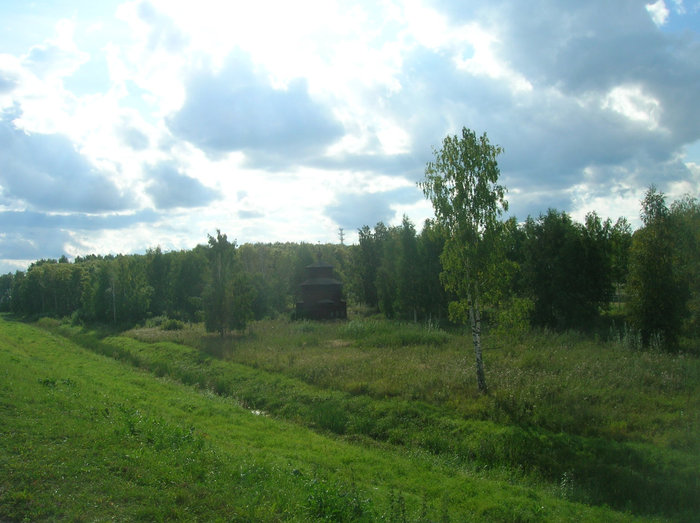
[[127, 125]]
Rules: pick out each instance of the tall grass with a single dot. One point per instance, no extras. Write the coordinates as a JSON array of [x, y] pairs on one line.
[[596, 421], [561, 382], [85, 437]]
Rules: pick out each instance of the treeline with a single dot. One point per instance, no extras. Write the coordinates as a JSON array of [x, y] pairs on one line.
[[558, 274], [220, 283]]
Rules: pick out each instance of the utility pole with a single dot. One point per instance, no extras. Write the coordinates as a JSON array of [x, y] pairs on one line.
[[341, 235]]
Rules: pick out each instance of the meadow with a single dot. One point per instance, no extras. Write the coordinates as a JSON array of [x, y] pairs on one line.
[[364, 420]]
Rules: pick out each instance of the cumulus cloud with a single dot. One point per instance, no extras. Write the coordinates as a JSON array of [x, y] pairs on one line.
[[250, 215], [35, 235], [237, 109], [658, 12], [353, 210], [33, 244], [407, 165], [163, 33], [58, 56], [90, 78], [46, 172], [592, 102], [8, 81], [73, 221], [592, 86], [169, 188], [133, 137]]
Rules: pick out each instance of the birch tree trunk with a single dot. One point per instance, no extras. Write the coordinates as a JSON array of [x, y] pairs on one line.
[[475, 320]]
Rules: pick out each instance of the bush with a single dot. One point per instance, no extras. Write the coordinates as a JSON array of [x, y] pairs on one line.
[[172, 325]]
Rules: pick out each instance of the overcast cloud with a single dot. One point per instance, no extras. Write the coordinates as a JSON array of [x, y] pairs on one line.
[[131, 124]]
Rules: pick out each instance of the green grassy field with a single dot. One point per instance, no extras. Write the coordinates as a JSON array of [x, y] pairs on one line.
[[361, 420]]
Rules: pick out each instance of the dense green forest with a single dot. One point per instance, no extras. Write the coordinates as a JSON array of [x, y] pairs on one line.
[[558, 274]]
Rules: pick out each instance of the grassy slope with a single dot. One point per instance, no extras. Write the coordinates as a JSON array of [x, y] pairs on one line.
[[88, 438], [602, 423]]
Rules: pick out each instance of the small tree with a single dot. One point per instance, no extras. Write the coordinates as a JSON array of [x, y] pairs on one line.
[[462, 185]]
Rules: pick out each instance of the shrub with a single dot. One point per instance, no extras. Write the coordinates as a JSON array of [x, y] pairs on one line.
[[172, 325]]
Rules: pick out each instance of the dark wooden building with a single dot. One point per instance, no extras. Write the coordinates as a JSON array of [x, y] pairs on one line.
[[321, 294]]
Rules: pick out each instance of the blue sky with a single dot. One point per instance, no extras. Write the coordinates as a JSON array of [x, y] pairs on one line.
[[126, 125]]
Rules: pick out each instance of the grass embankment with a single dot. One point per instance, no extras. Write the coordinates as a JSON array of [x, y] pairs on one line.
[[613, 425], [85, 437], [418, 442]]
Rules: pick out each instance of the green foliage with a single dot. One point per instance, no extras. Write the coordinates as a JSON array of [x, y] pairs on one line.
[[366, 260], [576, 275], [685, 220], [663, 269], [172, 325], [6, 283], [513, 320], [397, 271], [186, 276], [218, 293], [462, 185], [229, 294], [408, 271], [599, 424], [567, 269], [336, 502], [373, 333]]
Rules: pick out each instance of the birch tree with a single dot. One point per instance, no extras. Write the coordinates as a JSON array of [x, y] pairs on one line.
[[462, 184]]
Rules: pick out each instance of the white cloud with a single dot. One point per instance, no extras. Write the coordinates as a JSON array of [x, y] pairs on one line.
[[679, 7], [631, 102], [484, 60], [658, 12], [58, 56], [332, 116]]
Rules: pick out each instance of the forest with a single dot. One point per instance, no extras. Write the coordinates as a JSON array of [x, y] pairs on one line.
[[554, 273]]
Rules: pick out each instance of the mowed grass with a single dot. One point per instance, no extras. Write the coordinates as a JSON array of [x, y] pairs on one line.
[[86, 437]]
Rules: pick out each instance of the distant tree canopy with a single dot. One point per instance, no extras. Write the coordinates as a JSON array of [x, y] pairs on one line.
[[397, 271], [664, 269], [219, 283], [567, 269]]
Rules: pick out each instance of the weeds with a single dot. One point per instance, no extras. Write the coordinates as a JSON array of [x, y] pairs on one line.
[[337, 502], [382, 334]]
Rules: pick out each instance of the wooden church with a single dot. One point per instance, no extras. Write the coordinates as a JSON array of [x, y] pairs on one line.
[[321, 294]]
